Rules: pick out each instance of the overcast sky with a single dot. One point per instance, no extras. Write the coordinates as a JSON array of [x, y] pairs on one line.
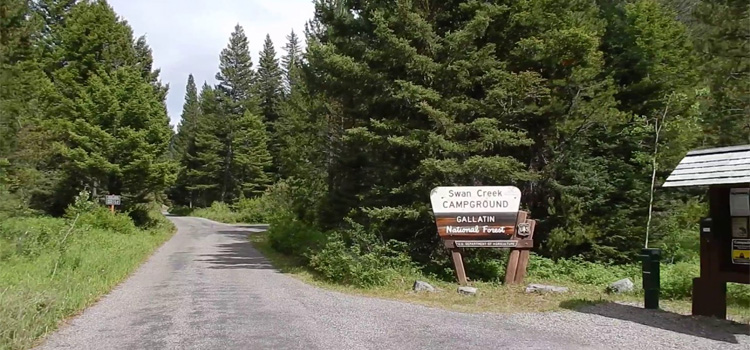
[[187, 36]]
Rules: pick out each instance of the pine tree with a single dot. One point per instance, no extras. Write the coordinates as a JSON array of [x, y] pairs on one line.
[[291, 61], [188, 119], [205, 160], [269, 81], [25, 151], [236, 76], [184, 143], [251, 156], [14, 41], [271, 91], [144, 59]]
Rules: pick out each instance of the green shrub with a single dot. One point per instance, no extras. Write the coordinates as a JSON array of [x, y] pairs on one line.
[[29, 237], [485, 264], [350, 265], [580, 271], [291, 236], [738, 294], [181, 210], [252, 210], [356, 257], [218, 211], [147, 215], [102, 218], [677, 279]]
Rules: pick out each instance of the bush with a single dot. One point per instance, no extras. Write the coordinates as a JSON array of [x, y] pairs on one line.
[[356, 257], [181, 210], [293, 237], [677, 279], [738, 294], [102, 218], [580, 271], [30, 237], [485, 264], [218, 211], [147, 216], [253, 210], [350, 265]]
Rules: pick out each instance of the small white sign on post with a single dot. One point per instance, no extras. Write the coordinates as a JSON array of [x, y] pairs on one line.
[[112, 200]]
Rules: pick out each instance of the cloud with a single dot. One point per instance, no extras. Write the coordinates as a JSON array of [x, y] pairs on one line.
[[186, 36]]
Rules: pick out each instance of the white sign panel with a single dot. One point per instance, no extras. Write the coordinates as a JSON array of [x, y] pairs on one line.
[[739, 202], [476, 199], [112, 200]]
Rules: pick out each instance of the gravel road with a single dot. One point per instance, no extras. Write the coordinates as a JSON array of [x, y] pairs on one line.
[[207, 288]]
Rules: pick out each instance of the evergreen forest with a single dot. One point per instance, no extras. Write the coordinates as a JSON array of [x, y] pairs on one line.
[[336, 136]]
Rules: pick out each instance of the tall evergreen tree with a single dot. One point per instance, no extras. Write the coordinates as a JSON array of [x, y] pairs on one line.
[[28, 166], [15, 40], [291, 61], [236, 76], [188, 119], [270, 87], [251, 158], [269, 81], [205, 160], [184, 143]]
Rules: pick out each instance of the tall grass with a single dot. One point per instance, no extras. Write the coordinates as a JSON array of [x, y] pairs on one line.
[[51, 268]]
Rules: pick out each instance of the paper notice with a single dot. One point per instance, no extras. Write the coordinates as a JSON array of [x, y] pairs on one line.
[[739, 228], [739, 202]]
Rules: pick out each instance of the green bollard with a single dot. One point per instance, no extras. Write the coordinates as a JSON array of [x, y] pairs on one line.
[[651, 277]]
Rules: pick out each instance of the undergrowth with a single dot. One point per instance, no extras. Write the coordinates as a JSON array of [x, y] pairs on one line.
[[51, 268]]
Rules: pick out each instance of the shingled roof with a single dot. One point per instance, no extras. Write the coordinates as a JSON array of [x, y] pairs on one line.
[[716, 166]]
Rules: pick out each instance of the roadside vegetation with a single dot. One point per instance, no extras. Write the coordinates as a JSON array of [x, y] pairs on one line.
[[53, 268]]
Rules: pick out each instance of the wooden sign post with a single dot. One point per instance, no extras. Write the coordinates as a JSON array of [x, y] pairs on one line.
[[484, 217]]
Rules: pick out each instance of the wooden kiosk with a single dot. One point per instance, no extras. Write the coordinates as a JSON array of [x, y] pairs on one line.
[[724, 235]]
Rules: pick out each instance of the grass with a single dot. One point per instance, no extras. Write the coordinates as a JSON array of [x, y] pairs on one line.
[[491, 297], [51, 268]]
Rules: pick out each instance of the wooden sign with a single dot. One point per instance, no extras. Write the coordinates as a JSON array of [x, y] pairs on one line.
[[483, 217], [476, 212]]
